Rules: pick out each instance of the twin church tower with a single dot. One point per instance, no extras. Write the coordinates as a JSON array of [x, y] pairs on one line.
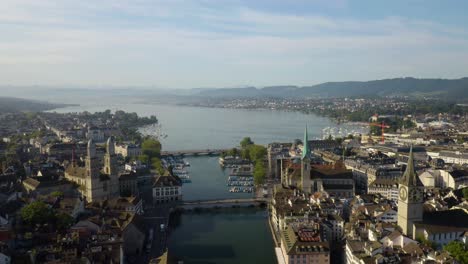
[[96, 184]]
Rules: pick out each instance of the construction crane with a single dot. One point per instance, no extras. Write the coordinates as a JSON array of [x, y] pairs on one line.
[[382, 126]]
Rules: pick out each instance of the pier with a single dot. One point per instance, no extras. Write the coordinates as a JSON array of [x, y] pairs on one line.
[[194, 152]]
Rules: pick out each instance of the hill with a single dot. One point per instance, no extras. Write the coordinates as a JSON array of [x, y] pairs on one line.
[[12, 104], [452, 90]]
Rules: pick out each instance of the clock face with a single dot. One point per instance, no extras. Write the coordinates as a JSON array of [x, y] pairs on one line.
[[414, 195], [403, 193]]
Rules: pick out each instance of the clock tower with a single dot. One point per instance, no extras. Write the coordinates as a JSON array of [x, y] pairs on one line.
[[410, 198]]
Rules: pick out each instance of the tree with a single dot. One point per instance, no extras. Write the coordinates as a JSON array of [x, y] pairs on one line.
[[259, 173], [151, 147], [246, 142], [157, 165], [233, 152], [257, 152], [144, 158], [465, 193], [339, 140], [36, 213], [63, 221], [426, 242], [458, 251], [56, 194]]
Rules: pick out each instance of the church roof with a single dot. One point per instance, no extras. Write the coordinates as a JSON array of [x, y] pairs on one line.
[[75, 171], [410, 177], [453, 218]]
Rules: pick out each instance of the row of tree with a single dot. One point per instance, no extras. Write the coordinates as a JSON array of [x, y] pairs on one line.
[[253, 152], [151, 154], [39, 214]]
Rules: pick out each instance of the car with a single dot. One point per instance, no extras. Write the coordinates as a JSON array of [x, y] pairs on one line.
[[148, 247]]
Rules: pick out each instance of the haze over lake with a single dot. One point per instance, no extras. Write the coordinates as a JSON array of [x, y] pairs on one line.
[[203, 128]]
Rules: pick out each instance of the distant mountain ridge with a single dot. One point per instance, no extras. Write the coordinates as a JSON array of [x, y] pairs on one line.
[[455, 89]]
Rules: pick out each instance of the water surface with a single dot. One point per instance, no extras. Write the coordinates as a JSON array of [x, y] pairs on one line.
[[208, 181], [239, 236], [203, 128]]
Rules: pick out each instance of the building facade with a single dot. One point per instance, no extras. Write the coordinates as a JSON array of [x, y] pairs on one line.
[[167, 189], [95, 184]]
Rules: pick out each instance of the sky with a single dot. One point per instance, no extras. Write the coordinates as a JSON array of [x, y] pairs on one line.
[[232, 43]]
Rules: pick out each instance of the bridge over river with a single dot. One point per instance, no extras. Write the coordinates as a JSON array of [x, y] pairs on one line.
[[222, 203], [193, 152]]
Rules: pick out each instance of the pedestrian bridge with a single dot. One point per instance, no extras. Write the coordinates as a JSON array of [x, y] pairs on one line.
[[222, 203], [193, 152]]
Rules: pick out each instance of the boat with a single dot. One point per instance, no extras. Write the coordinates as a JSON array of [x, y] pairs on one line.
[[241, 189]]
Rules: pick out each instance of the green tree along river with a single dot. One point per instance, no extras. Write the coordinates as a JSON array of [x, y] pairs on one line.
[[234, 236]]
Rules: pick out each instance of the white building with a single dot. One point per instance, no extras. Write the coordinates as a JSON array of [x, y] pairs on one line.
[[388, 188], [128, 150], [95, 134], [167, 189], [453, 179], [428, 178], [334, 227], [388, 216], [453, 157]]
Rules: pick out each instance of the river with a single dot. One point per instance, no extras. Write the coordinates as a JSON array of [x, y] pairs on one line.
[[237, 236]]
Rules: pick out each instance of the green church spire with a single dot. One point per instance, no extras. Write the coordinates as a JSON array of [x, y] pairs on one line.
[[410, 178], [305, 150]]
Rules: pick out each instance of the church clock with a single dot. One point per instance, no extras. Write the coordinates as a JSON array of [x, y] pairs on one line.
[[403, 193], [414, 195]]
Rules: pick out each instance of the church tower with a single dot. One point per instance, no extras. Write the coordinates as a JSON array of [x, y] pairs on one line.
[[305, 162], [110, 162], [92, 172], [92, 163], [410, 200], [111, 168]]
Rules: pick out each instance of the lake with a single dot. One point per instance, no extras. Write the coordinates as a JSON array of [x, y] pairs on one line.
[[202, 128]]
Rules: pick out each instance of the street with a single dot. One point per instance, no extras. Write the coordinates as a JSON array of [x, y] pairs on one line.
[[154, 218]]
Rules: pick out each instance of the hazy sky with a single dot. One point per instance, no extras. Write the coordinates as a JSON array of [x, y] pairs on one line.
[[215, 43]]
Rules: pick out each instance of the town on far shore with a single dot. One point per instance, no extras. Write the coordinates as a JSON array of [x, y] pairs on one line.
[[92, 188]]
